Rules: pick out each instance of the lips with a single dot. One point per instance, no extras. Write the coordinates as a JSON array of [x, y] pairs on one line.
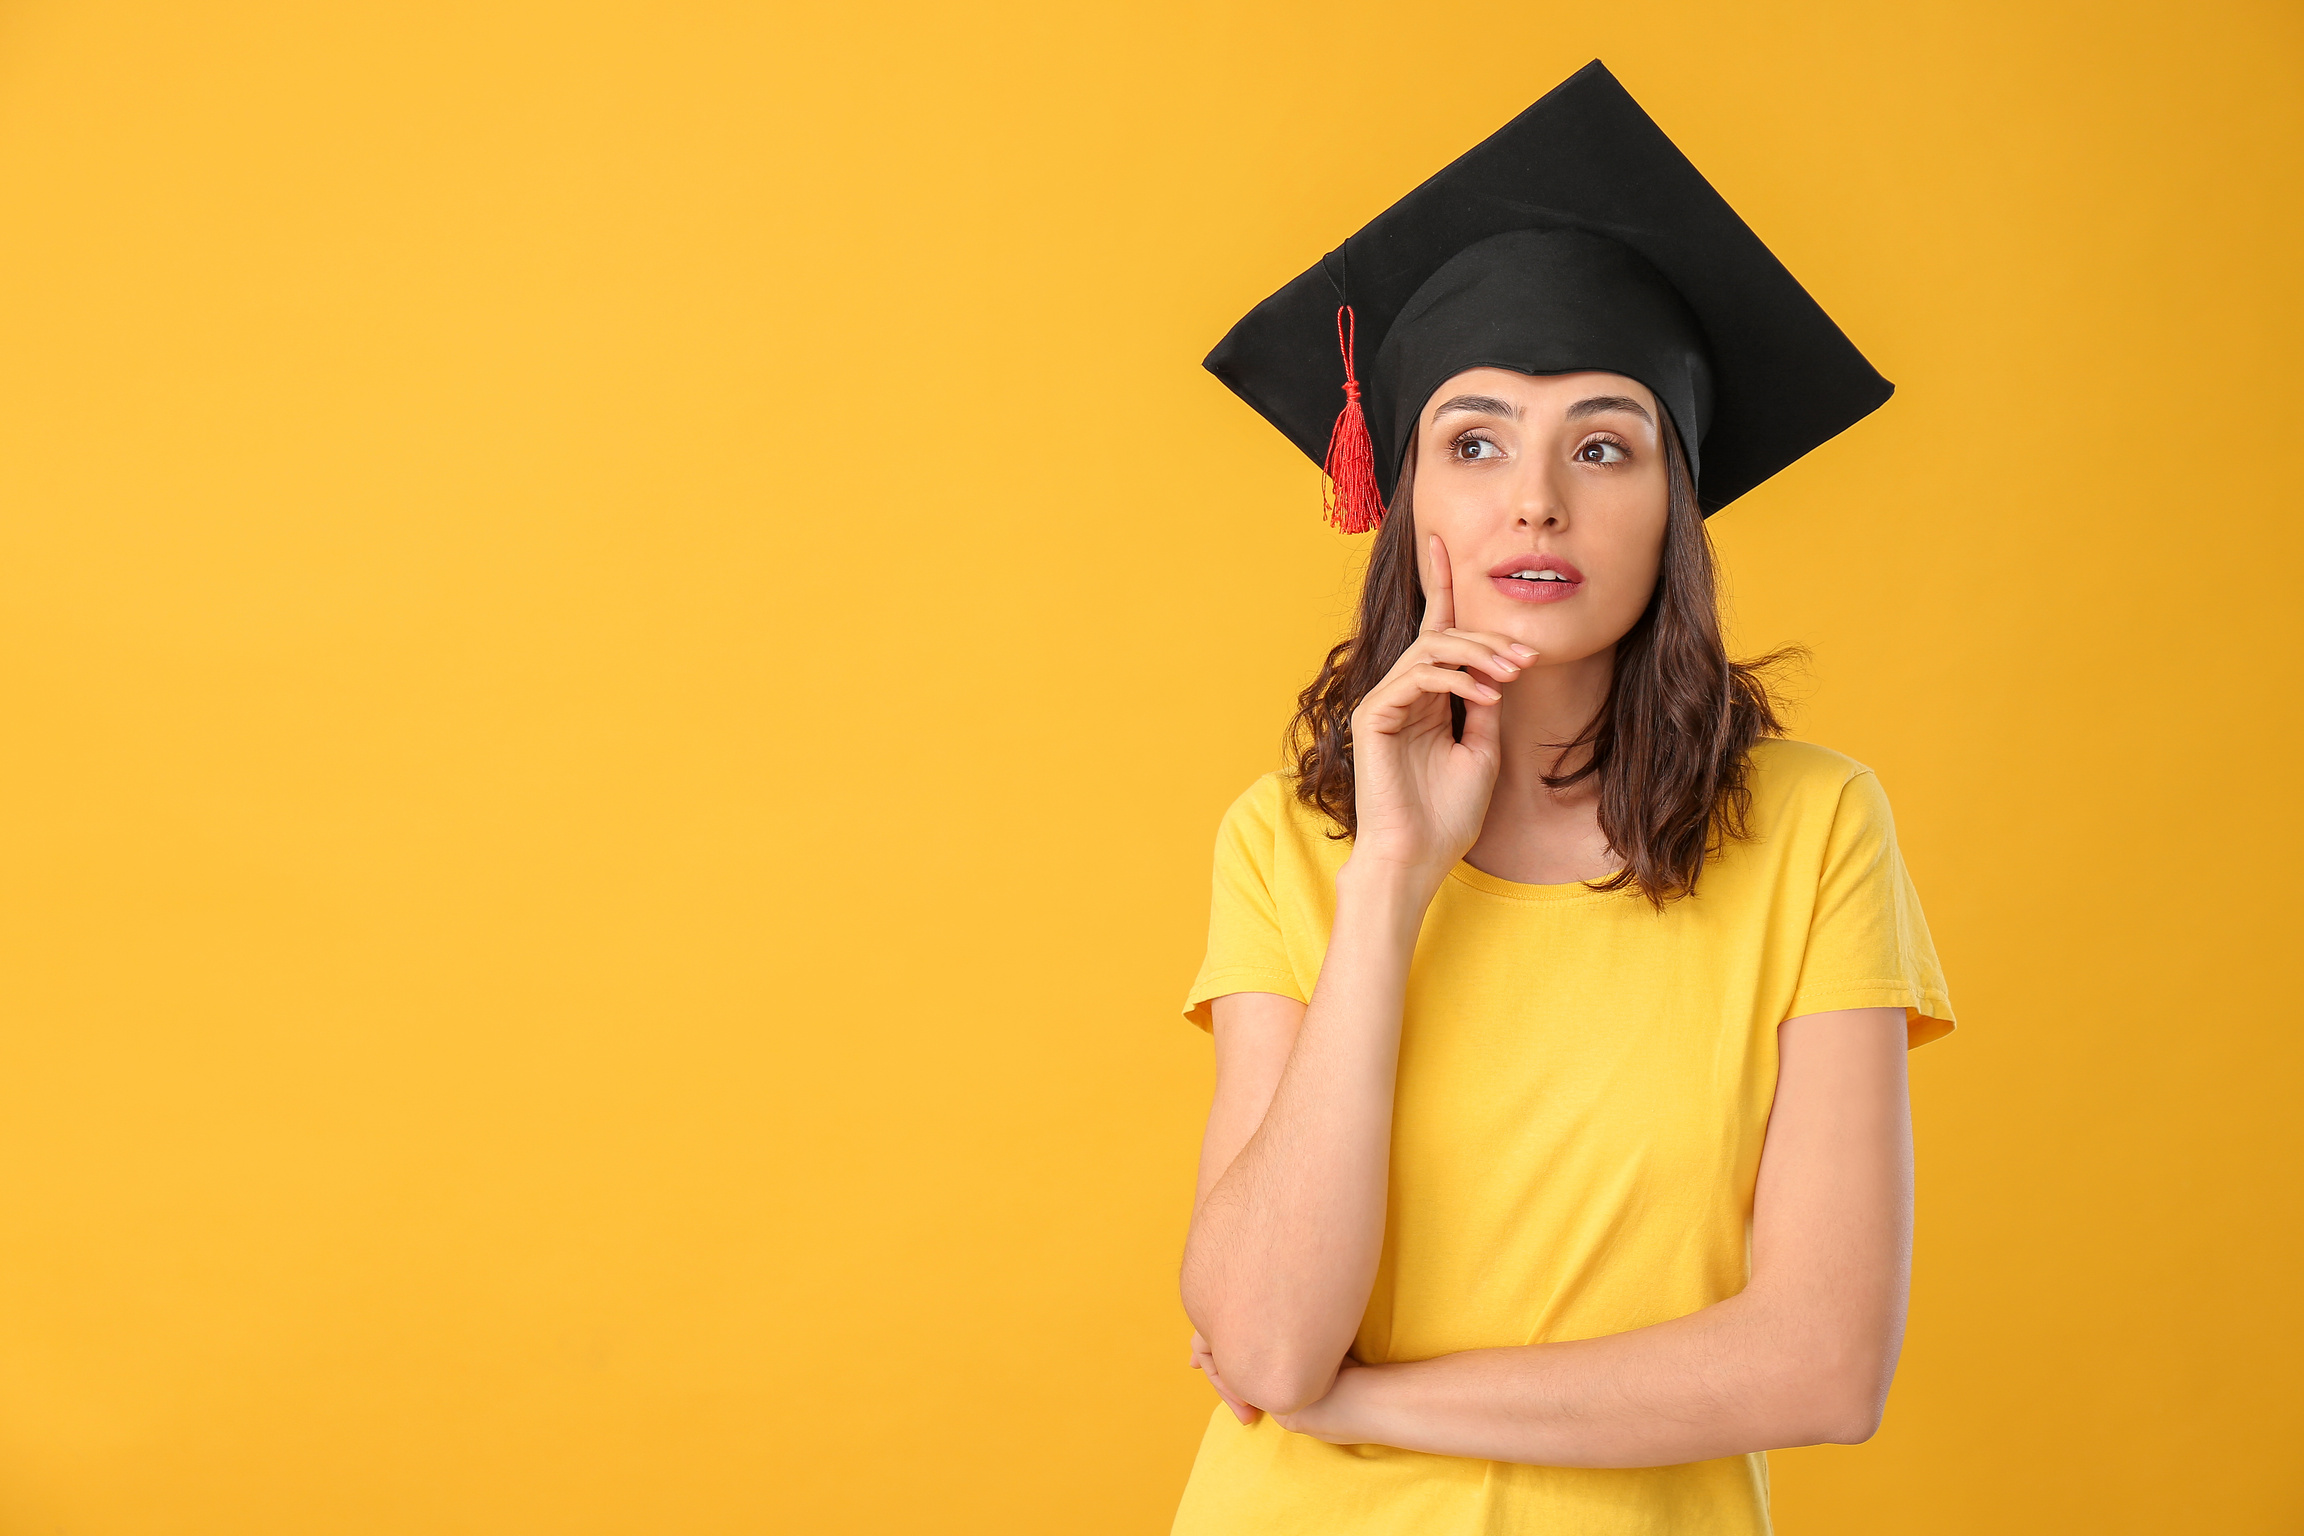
[[1536, 578]]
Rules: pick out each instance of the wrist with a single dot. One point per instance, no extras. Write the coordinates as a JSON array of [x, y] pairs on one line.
[[1369, 878], [1381, 901]]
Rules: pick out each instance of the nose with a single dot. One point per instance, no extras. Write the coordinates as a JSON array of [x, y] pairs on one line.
[[1540, 503]]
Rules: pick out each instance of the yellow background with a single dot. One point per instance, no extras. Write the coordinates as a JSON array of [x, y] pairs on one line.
[[623, 630]]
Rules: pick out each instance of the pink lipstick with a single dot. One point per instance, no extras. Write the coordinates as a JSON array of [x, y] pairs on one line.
[[1536, 579]]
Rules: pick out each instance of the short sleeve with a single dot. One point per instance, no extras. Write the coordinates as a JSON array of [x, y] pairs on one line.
[[1868, 944], [1247, 950]]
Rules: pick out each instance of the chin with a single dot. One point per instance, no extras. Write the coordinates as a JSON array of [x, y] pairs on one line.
[[1553, 641]]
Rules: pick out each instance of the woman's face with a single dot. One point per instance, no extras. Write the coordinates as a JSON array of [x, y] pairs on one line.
[[1550, 494]]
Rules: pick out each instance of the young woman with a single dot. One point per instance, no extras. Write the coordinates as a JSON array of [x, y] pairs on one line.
[[1560, 1162]]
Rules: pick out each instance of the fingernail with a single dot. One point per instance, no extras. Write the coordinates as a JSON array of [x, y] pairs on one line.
[[1490, 692], [1523, 650], [1507, 663]]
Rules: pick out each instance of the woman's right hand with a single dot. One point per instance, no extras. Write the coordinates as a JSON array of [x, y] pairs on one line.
[[1420, 794]]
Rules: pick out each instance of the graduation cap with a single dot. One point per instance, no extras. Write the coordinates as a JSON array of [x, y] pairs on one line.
[[1575, 237]]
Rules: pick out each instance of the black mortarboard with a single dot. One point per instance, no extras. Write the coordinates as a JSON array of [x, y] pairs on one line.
[[1576, 237]]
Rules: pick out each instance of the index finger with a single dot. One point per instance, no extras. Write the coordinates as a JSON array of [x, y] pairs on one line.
[[1439, 585]]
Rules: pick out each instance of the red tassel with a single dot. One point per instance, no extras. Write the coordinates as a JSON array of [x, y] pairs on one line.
[[1350, 497]]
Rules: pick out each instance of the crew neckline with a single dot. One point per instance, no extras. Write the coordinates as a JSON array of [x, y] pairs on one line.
[[1515, 890]]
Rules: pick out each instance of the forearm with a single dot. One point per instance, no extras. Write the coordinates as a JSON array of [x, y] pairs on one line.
[[1747, 1374], [1283, 1250]]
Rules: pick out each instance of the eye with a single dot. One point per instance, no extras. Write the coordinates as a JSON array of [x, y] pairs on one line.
[[1471, 446], [1602, 450]]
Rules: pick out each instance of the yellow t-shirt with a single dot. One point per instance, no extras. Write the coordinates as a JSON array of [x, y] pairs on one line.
[[1584, 1086]]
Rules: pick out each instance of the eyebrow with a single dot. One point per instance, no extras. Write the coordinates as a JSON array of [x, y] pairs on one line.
[[1593, 405], [1599, 404], [1477, 405]]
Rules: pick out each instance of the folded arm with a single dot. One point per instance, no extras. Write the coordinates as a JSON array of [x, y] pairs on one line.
[[1289, 1222], [1802, 1355]]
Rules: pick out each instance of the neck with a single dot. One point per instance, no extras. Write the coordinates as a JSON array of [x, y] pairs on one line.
[[1544, 707], [1533, 833]]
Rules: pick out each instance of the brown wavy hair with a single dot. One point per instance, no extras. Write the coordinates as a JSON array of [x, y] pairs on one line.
[[1671, 745]]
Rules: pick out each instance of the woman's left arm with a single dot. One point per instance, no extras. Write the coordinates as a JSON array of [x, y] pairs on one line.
[[1802, 1355]]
